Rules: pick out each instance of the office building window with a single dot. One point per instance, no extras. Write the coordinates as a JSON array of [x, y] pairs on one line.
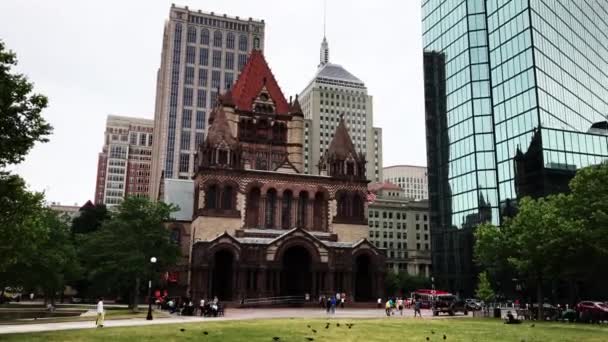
[[242, 61], [190, 54], [217, 39], [228, 80], [188, 95], [189, 75], [205, 36], [187, 118], [215, 81], [217, 59], [191, 34], [229, 60], [198, 139], [230, 40], [185, 142], [184, 162], [203, 56], [201, 98], [202, 77], [200, 119], [243, 42], [142, 139]]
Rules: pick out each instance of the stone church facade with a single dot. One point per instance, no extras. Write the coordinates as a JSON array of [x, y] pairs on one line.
[[262, 228]]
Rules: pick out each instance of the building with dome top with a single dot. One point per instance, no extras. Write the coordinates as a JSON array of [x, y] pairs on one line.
[[332, 94]]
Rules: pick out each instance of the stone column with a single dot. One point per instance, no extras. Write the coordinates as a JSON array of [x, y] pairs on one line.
[[262, 212], [294, 212], [278, 210], [261, 278], [310, 214]]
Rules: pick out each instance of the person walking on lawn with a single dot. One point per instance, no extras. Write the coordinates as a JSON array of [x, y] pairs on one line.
[[100, 313]]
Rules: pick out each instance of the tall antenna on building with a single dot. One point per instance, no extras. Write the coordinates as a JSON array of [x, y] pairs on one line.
[[324, 16]]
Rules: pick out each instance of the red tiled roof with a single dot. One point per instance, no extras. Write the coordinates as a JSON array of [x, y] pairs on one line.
[[254, 76]]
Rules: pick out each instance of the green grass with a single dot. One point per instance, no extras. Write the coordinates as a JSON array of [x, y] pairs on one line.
[[110, 314], [363, 330]]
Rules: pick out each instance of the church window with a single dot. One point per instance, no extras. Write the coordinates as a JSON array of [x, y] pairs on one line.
[[211, 197], [302, 209], [271, 201], [227, 197], [286, 210], [222, 157]]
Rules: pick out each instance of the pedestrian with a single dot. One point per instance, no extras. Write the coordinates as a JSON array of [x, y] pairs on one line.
[[32, 296], [417, 308], [379, 303], [215, 300], [201, 306], [328, 305], [400, 305], [100, 313], [387, 308], [342, 302], [333, 305]]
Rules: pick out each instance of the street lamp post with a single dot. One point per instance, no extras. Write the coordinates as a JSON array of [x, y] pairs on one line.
[[149, 317]]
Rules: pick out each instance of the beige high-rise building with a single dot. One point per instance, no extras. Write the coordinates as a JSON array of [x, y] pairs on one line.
[[332, 93], [202, 53], [412, 179], [401, 226], [123, 168]]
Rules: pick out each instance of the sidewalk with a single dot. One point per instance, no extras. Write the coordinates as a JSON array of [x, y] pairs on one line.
[[231, 314]]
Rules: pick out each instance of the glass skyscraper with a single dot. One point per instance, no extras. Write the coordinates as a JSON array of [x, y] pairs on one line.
[[516, 100]]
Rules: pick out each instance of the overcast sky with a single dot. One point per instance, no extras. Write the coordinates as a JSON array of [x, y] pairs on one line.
[[94, 58]]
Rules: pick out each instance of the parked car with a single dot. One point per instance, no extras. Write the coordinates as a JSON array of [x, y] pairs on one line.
[[473, 304], [449, 304], [590, 311], [550, 312]]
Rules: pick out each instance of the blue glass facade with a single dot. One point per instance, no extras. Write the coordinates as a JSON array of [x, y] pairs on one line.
[[524, 82]]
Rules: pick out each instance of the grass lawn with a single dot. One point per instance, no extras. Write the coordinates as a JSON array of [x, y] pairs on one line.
[[110, 314], [363, 330]]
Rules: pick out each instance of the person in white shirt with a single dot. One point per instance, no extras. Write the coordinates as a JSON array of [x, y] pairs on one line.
[[202, 306], [100, 313]]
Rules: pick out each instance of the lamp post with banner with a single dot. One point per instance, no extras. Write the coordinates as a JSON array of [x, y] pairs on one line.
[[149, 316]]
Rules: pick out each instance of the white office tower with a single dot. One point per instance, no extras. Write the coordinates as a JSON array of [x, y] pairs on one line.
[[335, 92]]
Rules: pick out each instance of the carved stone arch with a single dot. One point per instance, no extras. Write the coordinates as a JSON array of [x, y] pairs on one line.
[[249, 186], [224, 245], [298, 241]]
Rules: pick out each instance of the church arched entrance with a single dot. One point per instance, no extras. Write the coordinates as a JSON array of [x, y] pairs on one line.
[[296, 275], [223, 271], [363, 278]]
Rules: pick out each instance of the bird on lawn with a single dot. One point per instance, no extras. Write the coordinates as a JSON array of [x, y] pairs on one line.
[[432, 332], [310, 338], [205, 333], [427, 338], [314, 331], [532, 326], [445, 337], [182, 329], [337, 324], [327, 326], [308, 326], [276, 338]]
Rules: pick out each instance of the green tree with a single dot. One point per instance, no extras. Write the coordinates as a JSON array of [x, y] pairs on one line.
[[533, 242], [90, 218], [118, 254], [21, 123], [484, 289]]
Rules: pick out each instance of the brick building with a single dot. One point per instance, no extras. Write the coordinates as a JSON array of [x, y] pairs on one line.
[[263, 228]]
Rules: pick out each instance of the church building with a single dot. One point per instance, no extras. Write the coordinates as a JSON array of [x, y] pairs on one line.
[[262, 227]]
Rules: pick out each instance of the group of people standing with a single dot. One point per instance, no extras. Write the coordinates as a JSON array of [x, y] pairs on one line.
[[330, 303], [393, 304]]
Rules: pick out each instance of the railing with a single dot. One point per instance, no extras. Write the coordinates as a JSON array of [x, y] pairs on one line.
[[281, 300]]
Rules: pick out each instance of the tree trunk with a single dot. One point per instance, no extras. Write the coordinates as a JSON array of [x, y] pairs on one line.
[[539, 297], [135, 295]]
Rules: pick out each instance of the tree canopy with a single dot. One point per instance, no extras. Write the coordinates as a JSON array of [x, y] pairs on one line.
[[21, 122], [118, 254]]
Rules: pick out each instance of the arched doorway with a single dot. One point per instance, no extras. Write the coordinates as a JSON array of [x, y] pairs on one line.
[[223, 267], [363, 278], [296, 272]]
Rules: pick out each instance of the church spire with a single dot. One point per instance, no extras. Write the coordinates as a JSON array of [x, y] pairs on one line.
[[324, 53]]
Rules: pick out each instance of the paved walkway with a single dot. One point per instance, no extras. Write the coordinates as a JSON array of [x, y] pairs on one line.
[[231, 314]]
